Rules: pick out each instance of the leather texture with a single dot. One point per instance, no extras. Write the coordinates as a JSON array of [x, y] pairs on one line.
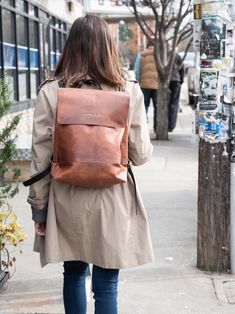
[[91, 137]]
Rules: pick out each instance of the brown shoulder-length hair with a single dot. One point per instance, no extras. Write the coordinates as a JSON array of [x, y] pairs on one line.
[[90, 52]]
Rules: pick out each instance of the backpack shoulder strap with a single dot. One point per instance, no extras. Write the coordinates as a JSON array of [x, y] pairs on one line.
[[134, 81], [61, 84], [128, 81], [50, 79]]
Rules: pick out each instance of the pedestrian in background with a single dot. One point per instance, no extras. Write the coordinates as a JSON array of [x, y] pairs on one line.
[[105, 227], [177, 79], [146, 74]]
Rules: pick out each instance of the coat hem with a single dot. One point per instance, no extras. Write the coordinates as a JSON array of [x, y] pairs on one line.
[[93, 262]]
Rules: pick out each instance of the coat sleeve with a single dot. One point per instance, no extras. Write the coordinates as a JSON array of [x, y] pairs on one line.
[[41, 155], [139, 145]]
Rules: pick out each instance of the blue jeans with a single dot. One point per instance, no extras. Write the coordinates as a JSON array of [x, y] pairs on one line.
[[148, 95], [104, 286]]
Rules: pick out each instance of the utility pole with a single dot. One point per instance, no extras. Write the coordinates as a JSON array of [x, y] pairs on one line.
[[215, 103], [232, 165]]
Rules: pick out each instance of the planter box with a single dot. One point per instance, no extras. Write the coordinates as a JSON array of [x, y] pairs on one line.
[[4, 276]]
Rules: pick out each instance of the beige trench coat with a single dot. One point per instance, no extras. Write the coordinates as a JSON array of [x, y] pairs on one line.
[[95, 226]]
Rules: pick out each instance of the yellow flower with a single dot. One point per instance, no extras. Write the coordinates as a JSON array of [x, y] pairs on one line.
[[10, 231]]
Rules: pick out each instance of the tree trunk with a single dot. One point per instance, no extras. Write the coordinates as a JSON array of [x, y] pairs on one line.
[[162, 111], [213, 243]]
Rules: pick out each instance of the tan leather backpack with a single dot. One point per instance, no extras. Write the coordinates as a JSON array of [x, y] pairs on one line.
[[90, 138]]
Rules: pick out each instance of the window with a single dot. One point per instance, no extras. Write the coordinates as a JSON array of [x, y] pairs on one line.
[[21, 5], [32, 10], [11, 74], [43, 14], [8, 29], [29, 45], [8, 2], [34, 80], [22, 57], [22, 79], [33, 34], [22, 45], [34, 57], [23, 60], [21, 30], [53, 48], [63, 40], [9, 52], [58, 42], [1, 56], [53, 39]]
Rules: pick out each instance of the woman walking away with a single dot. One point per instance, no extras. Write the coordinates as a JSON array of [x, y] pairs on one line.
[[83, 218]]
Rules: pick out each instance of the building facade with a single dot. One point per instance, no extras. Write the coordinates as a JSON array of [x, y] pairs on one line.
[[32, 35]]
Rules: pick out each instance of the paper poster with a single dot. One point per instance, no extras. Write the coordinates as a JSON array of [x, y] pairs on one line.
[[208, 90], [233, 100], [227, 82], [213, 33], [215, 8], [214, 127], [217, 85]]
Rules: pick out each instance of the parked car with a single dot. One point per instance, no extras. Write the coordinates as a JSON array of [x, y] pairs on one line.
[[193, 86], [192, 69]]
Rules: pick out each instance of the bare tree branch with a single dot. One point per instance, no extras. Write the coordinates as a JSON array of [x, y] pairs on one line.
[[138, 19], [154, 11], [163, 15], [184, 35], [146, 24], [182, 16], [164, 44], [174, 40], [187, 48], [170, 29]]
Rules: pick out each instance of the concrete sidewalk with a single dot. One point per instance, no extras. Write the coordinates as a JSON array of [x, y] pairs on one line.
[[173, 284]]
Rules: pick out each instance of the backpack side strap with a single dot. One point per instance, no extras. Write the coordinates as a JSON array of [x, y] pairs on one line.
[[47, 171], [38, 176], [134, 182]]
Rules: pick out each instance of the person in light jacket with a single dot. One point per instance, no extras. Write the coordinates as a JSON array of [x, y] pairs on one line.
[[79, 226]]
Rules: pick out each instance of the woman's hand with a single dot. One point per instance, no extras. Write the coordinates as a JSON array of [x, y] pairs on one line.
[[40, 228]]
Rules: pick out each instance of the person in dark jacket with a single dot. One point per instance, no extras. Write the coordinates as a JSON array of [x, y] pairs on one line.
[[177, 79]]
